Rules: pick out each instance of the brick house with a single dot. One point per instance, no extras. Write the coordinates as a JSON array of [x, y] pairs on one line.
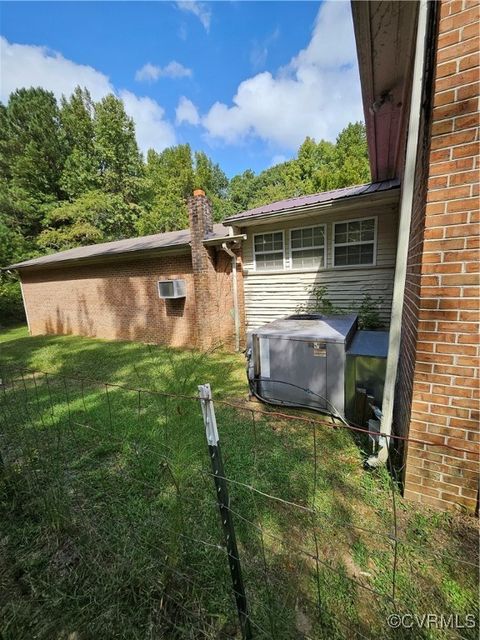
[[419, 70], [110, 290]]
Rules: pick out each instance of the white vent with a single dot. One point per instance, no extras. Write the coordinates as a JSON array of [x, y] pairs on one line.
[[172, 289]]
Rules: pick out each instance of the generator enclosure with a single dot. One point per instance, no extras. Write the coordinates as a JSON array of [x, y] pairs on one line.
[[300, 360]]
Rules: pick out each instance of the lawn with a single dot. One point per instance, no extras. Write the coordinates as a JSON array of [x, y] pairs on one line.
[[109, 524]]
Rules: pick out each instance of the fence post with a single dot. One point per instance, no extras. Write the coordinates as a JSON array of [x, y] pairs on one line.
[[223, 499]]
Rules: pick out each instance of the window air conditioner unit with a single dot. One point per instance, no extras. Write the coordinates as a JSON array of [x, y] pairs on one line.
[[168, 289]]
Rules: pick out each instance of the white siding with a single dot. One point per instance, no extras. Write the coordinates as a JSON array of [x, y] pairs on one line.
[[272, 294]]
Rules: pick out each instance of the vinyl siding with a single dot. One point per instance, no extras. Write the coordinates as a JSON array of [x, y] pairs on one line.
[[273, 294]]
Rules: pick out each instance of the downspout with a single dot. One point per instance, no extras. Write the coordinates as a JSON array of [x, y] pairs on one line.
[[403, 239], [236, 316]]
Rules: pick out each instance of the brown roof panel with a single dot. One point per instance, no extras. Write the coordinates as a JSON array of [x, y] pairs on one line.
[[324, 197], [120, 247]]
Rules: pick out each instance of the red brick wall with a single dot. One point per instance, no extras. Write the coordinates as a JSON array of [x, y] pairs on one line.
[[118, 300], [438, 377], [114, 300]]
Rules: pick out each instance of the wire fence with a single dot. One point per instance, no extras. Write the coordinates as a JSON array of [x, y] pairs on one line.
[[122, 519]]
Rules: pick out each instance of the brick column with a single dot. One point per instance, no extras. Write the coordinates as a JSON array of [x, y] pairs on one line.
[[442, 286], [204, 274]]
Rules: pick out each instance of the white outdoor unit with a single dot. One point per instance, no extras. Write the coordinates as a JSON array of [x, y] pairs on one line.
[[171, 289]]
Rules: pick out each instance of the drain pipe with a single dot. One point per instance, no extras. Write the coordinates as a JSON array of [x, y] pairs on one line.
[[235, 294], [403, 240]]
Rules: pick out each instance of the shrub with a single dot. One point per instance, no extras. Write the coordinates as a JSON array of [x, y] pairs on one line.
[[368, 312]]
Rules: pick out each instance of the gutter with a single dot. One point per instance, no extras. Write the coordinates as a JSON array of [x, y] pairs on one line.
[[233, 238], [403, 238], [236, 316]]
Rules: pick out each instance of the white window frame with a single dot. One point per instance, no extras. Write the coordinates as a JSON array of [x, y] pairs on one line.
[[255, 235], [325, 257], [349, 244]]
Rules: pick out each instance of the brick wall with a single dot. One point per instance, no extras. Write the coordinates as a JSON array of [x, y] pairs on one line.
[[438, 376], [117, 300]]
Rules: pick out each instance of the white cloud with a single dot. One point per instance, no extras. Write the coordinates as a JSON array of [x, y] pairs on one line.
[[187, 112], [198, 9], [150, 72], [31, 66], [153, 131], [316, 94]]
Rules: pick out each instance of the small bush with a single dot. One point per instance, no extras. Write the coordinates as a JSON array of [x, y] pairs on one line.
[[369, 317], [369, 313]]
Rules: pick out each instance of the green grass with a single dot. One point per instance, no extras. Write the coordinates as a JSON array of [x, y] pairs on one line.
[[109, 526]]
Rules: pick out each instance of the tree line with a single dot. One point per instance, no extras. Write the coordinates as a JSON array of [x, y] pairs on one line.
[[71, 174]]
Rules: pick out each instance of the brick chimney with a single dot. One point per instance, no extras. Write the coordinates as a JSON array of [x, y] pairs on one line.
[[203, 266]]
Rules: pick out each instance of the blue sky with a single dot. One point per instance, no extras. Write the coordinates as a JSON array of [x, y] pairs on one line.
[[244, 81]]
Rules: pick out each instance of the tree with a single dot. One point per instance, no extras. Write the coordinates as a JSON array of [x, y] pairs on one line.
[[119, 160], [80, 172], [168, 183], [33, 154], [352, 156], [210, 177], [93, 217]]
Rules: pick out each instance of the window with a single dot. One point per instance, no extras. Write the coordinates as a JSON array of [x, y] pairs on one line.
[[354, 242], [268, 251], [307, 247]]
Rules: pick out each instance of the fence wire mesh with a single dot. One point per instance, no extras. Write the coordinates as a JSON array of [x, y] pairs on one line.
[[111, 526]]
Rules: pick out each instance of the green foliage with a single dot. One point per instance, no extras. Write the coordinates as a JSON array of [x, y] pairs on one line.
[[119, 160], [93, 217], [170, 178], [168, 182], [318, 302], [80, 172], [319, 166], [368, 311]]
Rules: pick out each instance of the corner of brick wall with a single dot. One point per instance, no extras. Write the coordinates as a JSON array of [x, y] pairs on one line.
[[439, 370]]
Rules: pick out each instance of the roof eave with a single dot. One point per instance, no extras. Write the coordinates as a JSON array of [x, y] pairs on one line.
[[385, 40], [87, 260], [390, 195]]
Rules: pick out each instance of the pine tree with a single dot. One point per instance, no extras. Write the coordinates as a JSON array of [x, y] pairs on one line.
[[119, 160], [80, 172]]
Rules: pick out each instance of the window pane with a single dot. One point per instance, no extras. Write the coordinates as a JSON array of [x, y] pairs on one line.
[[366, 254], [307, 258], [318, 236], [340, 238], [296, 242], [353, 254], [368, 224], [277, 241], [269, 261], [341, 256], [367, 235]]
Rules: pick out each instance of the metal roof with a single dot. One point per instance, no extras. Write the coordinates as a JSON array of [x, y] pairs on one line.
[[325, 197], [120, 247]]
